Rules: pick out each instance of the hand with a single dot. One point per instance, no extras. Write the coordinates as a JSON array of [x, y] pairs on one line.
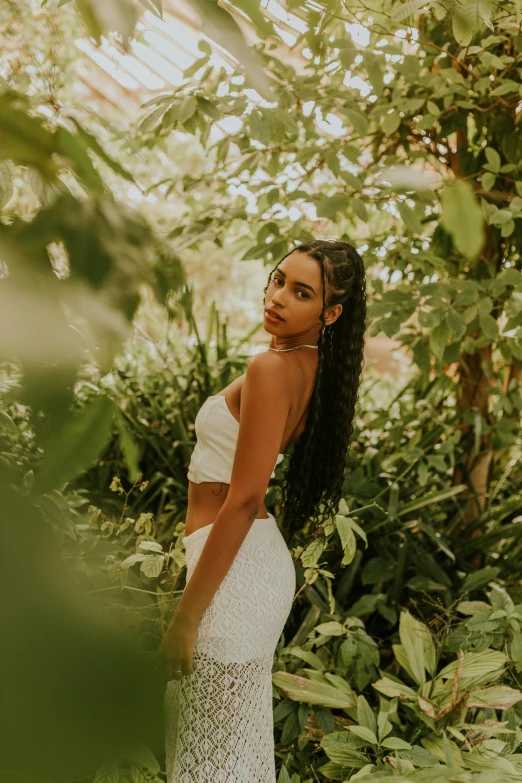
[[177, 647]]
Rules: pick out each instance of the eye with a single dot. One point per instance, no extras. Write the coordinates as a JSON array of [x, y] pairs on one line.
[[280, 280]]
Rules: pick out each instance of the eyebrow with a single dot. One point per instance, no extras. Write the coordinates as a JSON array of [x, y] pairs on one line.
[[303, 285]]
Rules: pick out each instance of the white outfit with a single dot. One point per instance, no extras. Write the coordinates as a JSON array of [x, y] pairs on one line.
[[219, 719]]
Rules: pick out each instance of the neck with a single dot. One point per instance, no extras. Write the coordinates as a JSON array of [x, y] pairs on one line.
[[279, 343]]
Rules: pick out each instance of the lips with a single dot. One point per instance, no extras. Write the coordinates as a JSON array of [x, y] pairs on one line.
[[274, 314]]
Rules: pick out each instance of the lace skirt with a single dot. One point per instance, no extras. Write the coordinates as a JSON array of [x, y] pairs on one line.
[[219, 718]]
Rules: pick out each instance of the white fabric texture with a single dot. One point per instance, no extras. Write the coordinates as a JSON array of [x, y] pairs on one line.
[[219, 718], [217, 432]]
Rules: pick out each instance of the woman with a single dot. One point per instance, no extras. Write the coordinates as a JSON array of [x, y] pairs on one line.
[[218, 650]]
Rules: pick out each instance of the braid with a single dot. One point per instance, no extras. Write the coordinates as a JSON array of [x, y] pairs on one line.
[[313, 480]]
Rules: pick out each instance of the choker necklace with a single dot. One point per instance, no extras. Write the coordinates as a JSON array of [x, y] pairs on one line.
[[293, 349]]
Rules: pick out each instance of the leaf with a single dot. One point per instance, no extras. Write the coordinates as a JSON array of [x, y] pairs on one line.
[[129, 448], [309, 657], [7, 172], [497, 697], [150, 546], [493, 158], [186, 109], [395, 743], [313, 552], [394, 689], [332, 206], [7, 424], [220, 26], [430, 498], [489, 326], [409, 217], [390, 122], [346, 534], [152, 565], [90, 141], [462, 218], [401, 12], [418, 643], [304, 690], [331, 629], [464, 22], [456, 323], [364, 733], [358, 120], [132, 560], [365, 714], [108, 773], [515, 650], [77, 444], [475, 665], [338, 748]]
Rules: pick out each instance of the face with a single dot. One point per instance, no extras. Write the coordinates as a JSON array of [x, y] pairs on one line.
[[295, 293]]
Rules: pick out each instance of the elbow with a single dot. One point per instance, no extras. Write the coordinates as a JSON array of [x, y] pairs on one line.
[[243, 504]]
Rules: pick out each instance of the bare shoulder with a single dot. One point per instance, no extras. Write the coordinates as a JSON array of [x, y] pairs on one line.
[[271, 375], [269, 369]]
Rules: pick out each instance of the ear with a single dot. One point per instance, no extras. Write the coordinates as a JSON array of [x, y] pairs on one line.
[[331, 314]]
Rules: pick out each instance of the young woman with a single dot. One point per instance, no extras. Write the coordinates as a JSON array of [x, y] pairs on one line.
[[218, 650]]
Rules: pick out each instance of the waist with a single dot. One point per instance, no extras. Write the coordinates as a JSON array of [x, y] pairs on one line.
[[260, 527], [205, 501]]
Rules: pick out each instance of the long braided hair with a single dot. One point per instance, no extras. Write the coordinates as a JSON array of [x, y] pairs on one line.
[[313, 479]]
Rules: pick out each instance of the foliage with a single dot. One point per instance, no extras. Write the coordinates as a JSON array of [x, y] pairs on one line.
[[443, 717], [409, 146]]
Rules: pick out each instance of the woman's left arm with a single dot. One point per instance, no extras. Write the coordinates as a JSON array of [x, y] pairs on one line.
[[265, 404]]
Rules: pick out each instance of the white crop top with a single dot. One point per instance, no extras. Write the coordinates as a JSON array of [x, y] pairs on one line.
[[217, 431]]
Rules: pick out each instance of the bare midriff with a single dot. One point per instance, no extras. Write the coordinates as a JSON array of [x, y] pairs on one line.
[[206, 498]]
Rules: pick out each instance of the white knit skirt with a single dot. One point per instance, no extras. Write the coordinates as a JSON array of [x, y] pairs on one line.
[[219, 724]]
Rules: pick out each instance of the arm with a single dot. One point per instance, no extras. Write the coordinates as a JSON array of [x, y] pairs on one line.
[[265, 404]]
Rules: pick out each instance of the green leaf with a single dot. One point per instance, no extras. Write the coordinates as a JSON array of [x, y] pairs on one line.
[[418, 645], [76, 445], [364, 733], [90, 141], [7, 424], [332, 206], [411, 221], [497, 697], [303, 690], [7, 171], [395, 743], [493, 158], [108, 773], [462, 218], [478, 578], [515, 650], [365, 714], [489, 326], [456, 323], [394, 689], [390, 122], [129, 448], [432, 497], [475, 665], [351, 180], [306, 655], [132, 560], [331, 629], [338, 746], [186, 109], [152, 565], [150, 546], [358, 120], [464, 22], [312, 553]]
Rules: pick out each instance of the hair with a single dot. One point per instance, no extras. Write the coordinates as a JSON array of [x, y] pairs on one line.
[[313, 480]]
